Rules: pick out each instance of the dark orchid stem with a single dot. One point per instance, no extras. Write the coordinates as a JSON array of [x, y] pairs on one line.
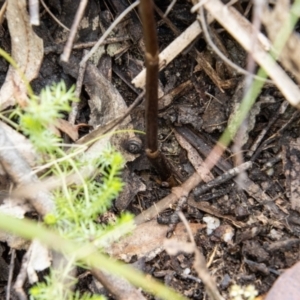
[[156, 158]]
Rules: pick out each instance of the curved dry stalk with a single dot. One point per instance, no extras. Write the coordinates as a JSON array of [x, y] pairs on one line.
[[2, 12], [68, 47], [230, 63], [53, 16], [200, 264], [118, 286], [242, 31], [21, 174]]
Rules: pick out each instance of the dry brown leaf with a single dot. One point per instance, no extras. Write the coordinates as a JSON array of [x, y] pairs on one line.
[[147, 240], [17, 209], [27, 51], [22, 144], [287, 286], [39, 259], [107, 104], [194, 158], [70, 129]]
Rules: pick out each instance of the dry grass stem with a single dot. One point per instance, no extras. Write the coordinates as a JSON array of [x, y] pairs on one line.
[[242, 31], [2, 12], [209, 40], [200, 265], [119, 287], [53, 16], [68, 47], [20, 172]]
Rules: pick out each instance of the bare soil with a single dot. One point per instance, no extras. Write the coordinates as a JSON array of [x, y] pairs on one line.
[[265, 234]]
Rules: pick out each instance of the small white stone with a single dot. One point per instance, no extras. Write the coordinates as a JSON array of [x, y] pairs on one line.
[[212, 224], [186, 271]]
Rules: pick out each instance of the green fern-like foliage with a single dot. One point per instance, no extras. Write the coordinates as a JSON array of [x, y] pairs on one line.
[[38, 117], [78, 206], [55, 286]]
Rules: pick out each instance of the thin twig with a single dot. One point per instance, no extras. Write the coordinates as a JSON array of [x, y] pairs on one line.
[[222, 178], [219, 53], [112, 40], [79, 81], [2, 12], [200, 264], [275, 135], [79, 14], [109, 30], [111, 125], [120, 74], [119, 287], [53, 16], [241, 29], [262, 134], [169, 8], [11, 271], [21, 278]]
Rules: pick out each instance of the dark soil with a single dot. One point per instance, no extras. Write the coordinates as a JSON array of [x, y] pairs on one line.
[[269, 241]]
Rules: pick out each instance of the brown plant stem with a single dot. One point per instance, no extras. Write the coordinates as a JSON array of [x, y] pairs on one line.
[[156, 158]]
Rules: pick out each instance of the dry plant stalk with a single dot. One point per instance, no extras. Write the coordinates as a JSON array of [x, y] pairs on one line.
[[21, 174], [242, 31], [156, 158], [79, 14]]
